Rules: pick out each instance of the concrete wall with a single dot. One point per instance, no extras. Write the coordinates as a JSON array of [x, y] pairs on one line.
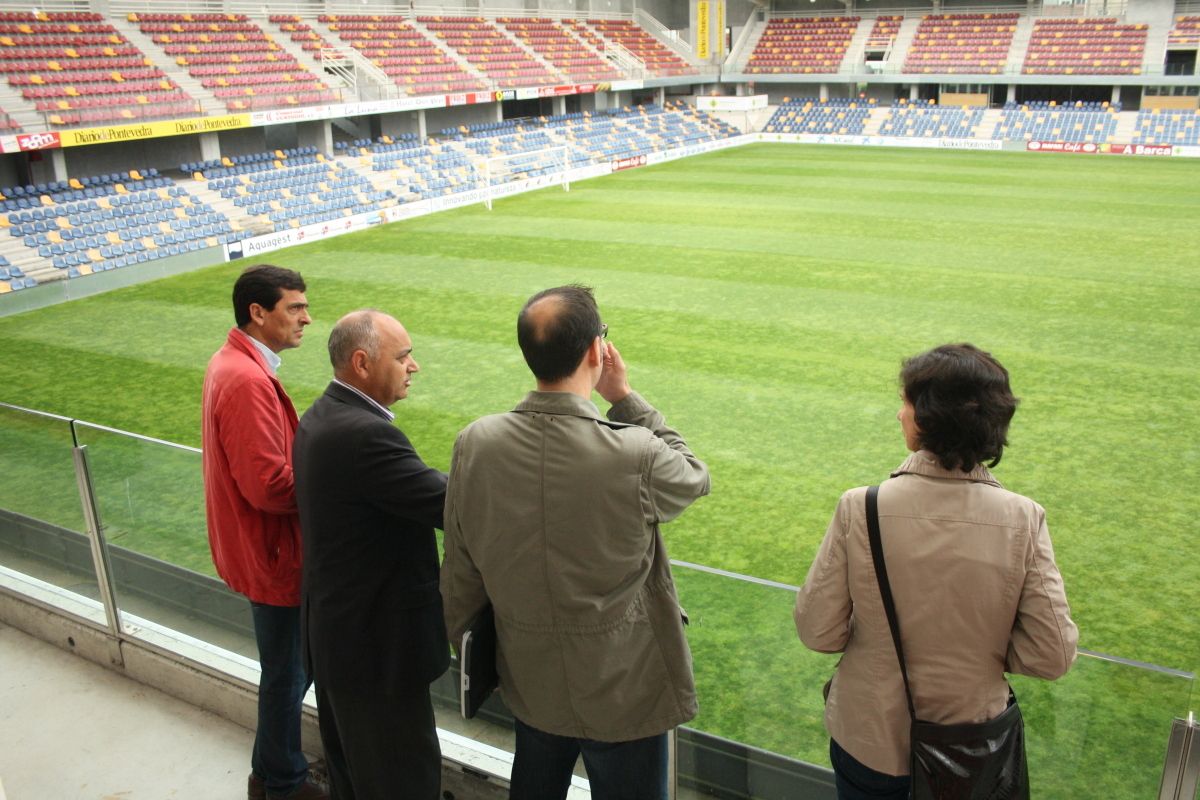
[[165, 153], [452, 117]]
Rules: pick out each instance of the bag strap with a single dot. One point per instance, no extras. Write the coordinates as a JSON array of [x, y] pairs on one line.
[[885, 586]]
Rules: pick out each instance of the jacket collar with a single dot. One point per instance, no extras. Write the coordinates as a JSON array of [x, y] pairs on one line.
[[344, 394], [240, 340], [925, 463], [567, 403]]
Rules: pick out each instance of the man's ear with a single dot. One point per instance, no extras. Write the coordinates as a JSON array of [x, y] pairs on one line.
[[358, 362], [257, 312], [595, 353]]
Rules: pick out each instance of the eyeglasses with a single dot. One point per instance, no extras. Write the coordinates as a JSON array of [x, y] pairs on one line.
[[603, 334]]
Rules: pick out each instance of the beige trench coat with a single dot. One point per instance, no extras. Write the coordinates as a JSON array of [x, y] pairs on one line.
[[552, 514], [977, 594]]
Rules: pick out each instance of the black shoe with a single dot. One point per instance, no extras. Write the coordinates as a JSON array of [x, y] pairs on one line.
[[255, 788], [305, 791]]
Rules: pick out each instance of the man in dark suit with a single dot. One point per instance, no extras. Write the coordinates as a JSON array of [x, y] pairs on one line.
[[371, 613]]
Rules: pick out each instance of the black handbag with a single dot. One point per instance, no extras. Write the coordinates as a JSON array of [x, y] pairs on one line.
[[971, 761]]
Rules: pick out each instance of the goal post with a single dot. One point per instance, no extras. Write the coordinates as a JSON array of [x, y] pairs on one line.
[[537, 168]]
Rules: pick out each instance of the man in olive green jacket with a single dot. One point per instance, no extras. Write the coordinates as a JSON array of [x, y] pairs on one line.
[[552, 516]]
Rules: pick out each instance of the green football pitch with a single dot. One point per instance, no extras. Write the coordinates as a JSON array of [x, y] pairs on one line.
[[764, 298]]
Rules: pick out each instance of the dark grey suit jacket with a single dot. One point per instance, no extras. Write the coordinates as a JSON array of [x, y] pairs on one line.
[[370, 609]]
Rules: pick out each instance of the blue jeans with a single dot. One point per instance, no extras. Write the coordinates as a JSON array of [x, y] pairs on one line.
[[857, 781], [634, 770], [277, 757]]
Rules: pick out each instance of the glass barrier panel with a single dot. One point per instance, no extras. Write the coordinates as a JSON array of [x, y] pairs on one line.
[[42, 532], [1099, 731], [150, 496], [757, 683]]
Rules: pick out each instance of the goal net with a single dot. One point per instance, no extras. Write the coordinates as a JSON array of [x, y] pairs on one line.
[[512, 172]]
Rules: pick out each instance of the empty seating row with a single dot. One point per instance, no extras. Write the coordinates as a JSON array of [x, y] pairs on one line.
[[405, 54], [201, 42], [659, 59], [490, 51], [1167, 126], [1044, 122], [927, 120], [884, 31], [952, 44], [1185, 33], [1085, 46], [568, 54], [839, 116], [803, 45], [78, 69]]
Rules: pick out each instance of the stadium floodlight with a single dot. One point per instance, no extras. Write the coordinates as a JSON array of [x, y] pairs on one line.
[[533, 168]]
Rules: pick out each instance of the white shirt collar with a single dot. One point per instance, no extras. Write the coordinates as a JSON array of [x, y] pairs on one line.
[[387, 412], [273, 359]]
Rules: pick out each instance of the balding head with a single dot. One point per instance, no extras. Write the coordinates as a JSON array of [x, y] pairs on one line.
[[555, 329], [354, 331], [372, 352]]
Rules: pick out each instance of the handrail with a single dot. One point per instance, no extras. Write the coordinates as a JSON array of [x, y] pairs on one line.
[[755, 16]]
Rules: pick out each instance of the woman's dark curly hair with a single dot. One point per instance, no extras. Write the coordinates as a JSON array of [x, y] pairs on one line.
[[962, 404]]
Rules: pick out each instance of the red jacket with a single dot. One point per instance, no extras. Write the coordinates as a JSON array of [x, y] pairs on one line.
[[247, 429]]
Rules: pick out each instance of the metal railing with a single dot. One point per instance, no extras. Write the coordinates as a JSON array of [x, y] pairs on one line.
[[143, 524]]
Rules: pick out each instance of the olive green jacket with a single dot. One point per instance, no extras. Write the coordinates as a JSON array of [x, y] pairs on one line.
[[552, 515]]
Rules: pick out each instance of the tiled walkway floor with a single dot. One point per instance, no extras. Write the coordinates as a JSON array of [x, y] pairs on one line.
[[72, 730]]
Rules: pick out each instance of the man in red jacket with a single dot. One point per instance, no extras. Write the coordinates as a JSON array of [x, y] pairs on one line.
[[253, 528]]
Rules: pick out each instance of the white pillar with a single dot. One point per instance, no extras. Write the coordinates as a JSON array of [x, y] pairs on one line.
[[558, 105], [210, 147], [914, 92], [823, 91], [422, 132], [1012, 93], [59, 160], [1116, 95]]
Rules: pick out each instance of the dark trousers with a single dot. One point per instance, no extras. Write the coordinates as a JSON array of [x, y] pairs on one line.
[[380, 747], [542, 765], [857, 781], [277, 757]]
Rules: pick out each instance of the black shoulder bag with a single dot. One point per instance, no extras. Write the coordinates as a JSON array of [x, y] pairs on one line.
[[971, 761]]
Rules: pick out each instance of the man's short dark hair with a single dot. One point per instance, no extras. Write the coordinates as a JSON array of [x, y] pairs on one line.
[[962, 404], [554, 343], [262, 284]]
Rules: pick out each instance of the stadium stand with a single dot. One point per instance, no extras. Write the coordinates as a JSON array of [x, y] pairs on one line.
[[490, 51], [803, 45], [291, 188], [926, 119], [301, 33], [1167, 126], [76, 69], [573, 58], [811, 115], [105, 222], [1185, 33], [404, 53], [884, 31], [1084, 46], [659, 59], [12, 279], [87, 225], [235, 59], [1081, 122], [954, 44]]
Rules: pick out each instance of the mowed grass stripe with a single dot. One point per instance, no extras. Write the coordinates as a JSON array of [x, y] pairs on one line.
[[768, 322]]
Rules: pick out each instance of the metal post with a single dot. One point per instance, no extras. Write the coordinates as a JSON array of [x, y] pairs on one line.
[[673, 763], [1181, 768], [91, 516]]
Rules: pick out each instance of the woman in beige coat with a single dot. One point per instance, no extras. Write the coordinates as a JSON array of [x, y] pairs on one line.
[[976, 589]]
